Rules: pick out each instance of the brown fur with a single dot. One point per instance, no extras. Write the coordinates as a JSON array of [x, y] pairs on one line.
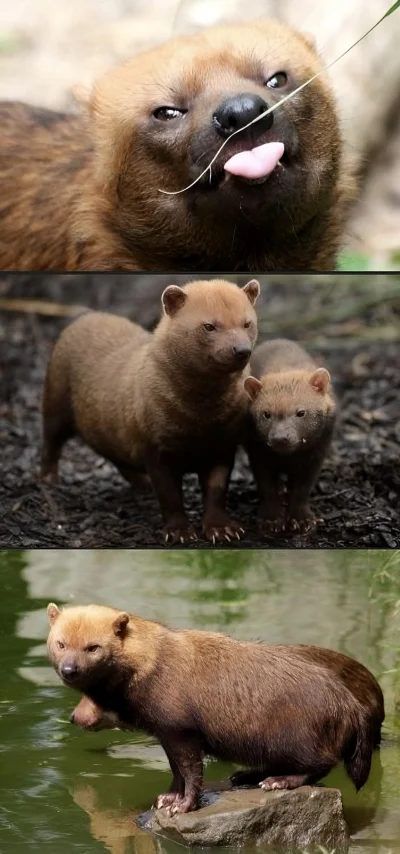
[[162, 404], [291, 712], [82, 192], [292, 419]]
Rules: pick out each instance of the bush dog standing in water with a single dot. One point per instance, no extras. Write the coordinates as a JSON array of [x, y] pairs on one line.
[[292, 420], [162, 404], [83, 192], [285, 711]]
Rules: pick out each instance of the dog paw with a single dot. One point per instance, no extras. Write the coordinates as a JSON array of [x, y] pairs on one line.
[[228, 532], [301, 526], [179, 535]]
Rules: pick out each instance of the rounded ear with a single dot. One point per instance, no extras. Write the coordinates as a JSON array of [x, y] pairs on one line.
[[310, 41], [173, 298], [120, 624], [53, 612], [253, 387], [320, 380], [252, 290]]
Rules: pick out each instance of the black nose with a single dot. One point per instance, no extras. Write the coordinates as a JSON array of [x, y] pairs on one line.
[[72, 718], [69, 670], [238, 111], [242, 352]]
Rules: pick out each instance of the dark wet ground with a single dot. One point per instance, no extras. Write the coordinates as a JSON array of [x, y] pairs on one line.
[[358, 490]]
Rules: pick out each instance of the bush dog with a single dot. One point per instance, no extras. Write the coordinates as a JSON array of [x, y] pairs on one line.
[[82, 192], [292, 419], [163, 404], [289, 712]]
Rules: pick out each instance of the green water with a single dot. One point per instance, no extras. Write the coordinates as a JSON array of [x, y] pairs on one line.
[[62, 790]]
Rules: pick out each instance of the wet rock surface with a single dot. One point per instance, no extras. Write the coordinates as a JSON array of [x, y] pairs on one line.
[[298, 820], [352, 328]]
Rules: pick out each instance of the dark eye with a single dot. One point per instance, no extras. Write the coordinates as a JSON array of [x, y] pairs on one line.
[[209, 326], [165, 114], [92, 648], [267, 414], [247, 324], [300, 413], [60, 645], [277, 81]]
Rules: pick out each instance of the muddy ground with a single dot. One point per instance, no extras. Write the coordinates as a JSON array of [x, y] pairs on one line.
[[352, 323]]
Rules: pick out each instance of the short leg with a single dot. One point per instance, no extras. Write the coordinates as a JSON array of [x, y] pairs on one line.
[[166, 480], [57, 426], [185, 757], [217, 525], [55, 434], [271, 509], [289, 781], [294, 781], [139, 481], [176, 790], [300, 483]]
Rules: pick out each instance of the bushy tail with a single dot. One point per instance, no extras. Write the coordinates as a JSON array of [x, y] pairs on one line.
[[358, 756]]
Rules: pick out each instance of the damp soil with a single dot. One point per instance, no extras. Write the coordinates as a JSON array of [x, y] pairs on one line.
[[356, 498]]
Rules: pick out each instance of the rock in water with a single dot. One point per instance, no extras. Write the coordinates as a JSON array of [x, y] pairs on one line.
[[301, 819]]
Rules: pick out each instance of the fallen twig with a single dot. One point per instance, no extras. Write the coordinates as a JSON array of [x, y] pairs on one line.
[[36, 306]]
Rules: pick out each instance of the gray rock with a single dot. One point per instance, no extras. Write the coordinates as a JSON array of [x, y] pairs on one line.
[[298, 820]]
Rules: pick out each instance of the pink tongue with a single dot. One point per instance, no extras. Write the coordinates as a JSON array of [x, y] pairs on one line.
[[257, 163]]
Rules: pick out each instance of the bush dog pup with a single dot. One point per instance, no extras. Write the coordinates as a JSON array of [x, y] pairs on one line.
[[292, 419], [284, 710], [82, 192], [163, 404]]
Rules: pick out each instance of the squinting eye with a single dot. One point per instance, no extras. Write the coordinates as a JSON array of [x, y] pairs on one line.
[[60, 645], [267, 414], [209, 327], [93, 648], [277, 81], [247, 324], [165, 114], [300, 413]]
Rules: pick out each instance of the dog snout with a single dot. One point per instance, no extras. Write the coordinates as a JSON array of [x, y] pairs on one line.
[[69, 670], [242, 352], [237, 111]]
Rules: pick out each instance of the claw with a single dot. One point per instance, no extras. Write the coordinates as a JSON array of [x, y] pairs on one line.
[[241, 530], [237, 535], [227, 538], [182, 540], [213, 539], [167, 538]]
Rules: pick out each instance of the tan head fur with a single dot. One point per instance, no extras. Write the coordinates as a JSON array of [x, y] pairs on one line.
[[291, 408], [216, 317], [85, 641]]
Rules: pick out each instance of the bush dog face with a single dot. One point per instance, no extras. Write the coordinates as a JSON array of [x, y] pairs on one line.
[[290, 713], [290, 409], [293, 412], [162, 404], [273, 199]]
